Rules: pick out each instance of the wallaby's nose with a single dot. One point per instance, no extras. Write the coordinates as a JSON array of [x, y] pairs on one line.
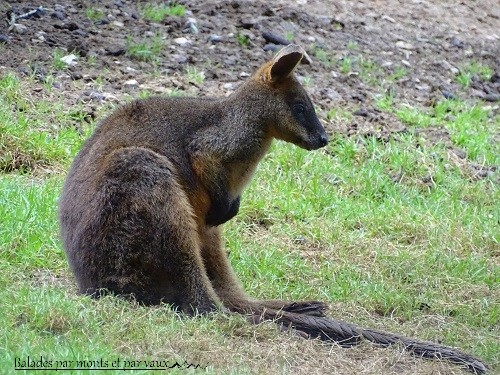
[[323, 140]]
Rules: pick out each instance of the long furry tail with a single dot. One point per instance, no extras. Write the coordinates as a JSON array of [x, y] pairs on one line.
[[347, 335]]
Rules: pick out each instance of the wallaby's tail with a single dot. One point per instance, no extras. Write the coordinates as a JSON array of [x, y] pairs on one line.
[[346, 334]]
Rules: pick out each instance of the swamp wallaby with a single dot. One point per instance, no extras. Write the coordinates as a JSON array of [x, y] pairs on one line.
[[142, 204]]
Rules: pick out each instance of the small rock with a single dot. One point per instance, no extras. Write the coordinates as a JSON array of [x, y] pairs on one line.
[[333, 94], [386, 64], [455, 42], [228, 86], [183, 42], [118, 23], [214, 38], [71, 26], [450, 67], [271, 47], [59, 15], [406, 63], [491, 97], [131, 83], [4, 38], [18, 28], [423, 87], [115, 50], [191, 25], [404, 45], [69, 59], [97, 96], [244, 74], [75, 76], [247, 22], [179, 58], [387, 18], [448, 95]]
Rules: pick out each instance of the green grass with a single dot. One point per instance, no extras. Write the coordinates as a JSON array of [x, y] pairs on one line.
[[30, 140], [95, 14], [473, 70], [417, 254], [472, 127], [158, 12], [194, 75], [145, 50]]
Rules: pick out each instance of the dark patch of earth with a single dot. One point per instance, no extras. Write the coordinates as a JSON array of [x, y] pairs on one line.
[[432, 42]]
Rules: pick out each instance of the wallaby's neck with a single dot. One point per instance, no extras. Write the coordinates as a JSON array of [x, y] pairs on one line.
[[248, 108]]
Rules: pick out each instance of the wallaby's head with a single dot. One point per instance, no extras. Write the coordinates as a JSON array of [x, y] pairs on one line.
[[294, 118]]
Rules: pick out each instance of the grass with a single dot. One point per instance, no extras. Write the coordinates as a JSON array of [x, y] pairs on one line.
[[243, 40], [194, 75], [95, 14], [473, 70], [473, 128], [146, 50], [158, 12], [416, 255]]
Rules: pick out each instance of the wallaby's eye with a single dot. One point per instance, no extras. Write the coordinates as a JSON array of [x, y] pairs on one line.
[[299, 108]]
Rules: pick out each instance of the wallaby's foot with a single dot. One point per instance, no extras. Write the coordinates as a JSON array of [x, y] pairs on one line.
[[311, 308]]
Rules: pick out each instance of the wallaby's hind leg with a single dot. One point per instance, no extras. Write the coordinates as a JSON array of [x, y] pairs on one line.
[[229, 289], [143, 239]]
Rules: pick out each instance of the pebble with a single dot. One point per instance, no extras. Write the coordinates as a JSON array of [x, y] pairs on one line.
[[69, 59], [191, 25], [247, 21], [4, 38], [183, 42], [491, 97], [131, 83], [118, 23], [20, 29], [404, 45], [445, 64], [59, 15], [385, 17], [115, 50], [214, 38], [448, 95], [455, 42]]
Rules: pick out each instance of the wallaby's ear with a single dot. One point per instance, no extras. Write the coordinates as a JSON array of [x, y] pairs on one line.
[[283, 64]]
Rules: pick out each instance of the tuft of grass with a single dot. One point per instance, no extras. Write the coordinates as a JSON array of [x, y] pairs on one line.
[[194, 75], [473, 128], [473, 70], [243, 40], [158, 12], [28, 142], [146, 50], [95, 14], [322, 56], [57, 63]]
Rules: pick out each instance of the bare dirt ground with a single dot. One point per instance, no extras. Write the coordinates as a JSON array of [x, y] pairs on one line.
[[432, 42]]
